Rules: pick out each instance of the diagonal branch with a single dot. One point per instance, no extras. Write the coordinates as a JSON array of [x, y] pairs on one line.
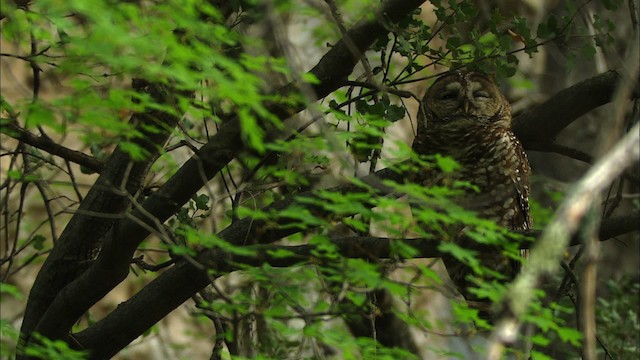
[[120, 179], [544, 122], [45, 144]]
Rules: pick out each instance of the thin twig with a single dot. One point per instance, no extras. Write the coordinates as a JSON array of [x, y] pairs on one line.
[[146, 266], [335, 13]]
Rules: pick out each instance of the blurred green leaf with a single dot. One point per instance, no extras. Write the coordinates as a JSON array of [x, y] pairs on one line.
[[12, 290]]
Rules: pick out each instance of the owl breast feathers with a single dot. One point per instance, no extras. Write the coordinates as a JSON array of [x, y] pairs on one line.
[[464, 115]]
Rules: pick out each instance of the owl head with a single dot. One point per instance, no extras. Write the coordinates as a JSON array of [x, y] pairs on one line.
[[465, 97]]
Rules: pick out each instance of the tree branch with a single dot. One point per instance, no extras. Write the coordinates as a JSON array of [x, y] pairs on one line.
[[544, 122], [45, 144], [376, 248], [112, 192]]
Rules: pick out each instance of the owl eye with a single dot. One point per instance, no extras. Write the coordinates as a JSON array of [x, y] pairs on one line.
[[449, 95], [481, 95]]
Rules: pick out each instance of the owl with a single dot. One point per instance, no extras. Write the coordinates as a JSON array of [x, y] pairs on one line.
[[464, 115]]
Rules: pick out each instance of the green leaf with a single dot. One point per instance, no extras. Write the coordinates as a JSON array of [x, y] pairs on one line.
[[543, 30], [588, 51], [609, 5], [201, 202], [310, 78], [304, 216], [134, 150], [403, 249], [536, 355], [38, 242], [251, 132], [570, 335], [468, 257], [11, 290], [281, 253], [395, 288], [183, 216], [40, 115], [19, 176], [430, 274], [5, 106], [363, 273], [540, 340], [211, 241], [382, 42], [356, 224], [52, 349], [181, 250], [395, 113], [446, 163], [464, 314]]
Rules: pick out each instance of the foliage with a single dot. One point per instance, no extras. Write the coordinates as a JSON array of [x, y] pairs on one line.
[[618, 321], [52, 350], [123, 70]]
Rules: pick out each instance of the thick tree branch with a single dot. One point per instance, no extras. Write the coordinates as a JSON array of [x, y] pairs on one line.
[[45, 144], [120, 179], [544, 122]]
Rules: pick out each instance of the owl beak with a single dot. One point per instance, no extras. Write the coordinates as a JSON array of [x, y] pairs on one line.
[[466, 105]]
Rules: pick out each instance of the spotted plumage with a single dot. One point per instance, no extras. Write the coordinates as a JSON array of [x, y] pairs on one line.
[[464, 115]]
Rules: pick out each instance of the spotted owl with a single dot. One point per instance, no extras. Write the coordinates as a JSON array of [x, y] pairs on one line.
[[464, 115]]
